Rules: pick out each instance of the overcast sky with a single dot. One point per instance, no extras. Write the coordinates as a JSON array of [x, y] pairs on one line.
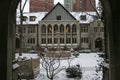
[[56, 1]]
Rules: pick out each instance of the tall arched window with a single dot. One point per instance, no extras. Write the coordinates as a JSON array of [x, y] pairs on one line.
[[55, 28], [43, 29], [49, 28], [62, 28], [74, 28], [68, 28]]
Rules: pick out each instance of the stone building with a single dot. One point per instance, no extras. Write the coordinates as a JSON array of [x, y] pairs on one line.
[[29, 35], [84, 35], [45, 33], [96, 35], [60, 27]]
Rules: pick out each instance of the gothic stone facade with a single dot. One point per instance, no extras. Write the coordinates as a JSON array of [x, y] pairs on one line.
[[60, 28], [62, 33], [96, 35]]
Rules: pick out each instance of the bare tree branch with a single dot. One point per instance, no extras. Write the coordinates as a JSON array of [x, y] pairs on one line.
[[95, 9], [51, 65], [24, 5]]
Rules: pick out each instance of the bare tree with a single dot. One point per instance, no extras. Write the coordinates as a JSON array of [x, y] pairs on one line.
[[51, 65], [21, 9]]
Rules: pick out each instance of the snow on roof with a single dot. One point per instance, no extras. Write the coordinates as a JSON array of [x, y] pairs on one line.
[[40, 15], [89, 16]]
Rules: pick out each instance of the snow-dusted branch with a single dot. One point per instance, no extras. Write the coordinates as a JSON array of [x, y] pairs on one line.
[[94, 8], [51, 65]]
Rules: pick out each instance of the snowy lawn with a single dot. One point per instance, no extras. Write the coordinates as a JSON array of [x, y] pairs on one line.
[[88, 63]]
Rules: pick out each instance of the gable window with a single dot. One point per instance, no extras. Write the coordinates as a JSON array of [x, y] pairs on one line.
[[24, 18], [58, 17], [83, 17], [32, 18]]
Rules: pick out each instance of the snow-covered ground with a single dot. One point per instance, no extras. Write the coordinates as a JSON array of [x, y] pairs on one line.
[[88, 63]]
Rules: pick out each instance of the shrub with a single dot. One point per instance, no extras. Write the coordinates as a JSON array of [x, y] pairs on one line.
[[76, 54], [73, 72]]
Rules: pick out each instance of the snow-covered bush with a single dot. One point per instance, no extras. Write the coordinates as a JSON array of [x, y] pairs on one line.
[[76, 54], [74, 71]]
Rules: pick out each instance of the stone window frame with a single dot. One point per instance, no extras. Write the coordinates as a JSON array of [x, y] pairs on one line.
[[43, 40], [24, 18], [84, 40], [55, 28], [61, 28], [74, 28], [84, 28], [74, 40], [31, 41], [43, 28], [49, 28], [49, 40], [68, 28], [68, 40], [31, 29], [62, 40]]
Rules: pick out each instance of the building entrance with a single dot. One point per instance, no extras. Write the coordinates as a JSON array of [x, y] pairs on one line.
[[98, 44]]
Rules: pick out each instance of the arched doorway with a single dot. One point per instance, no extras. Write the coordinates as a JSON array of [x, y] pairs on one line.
[[99, 44]]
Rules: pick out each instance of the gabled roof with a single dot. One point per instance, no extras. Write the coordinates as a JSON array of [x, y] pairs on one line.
[[62, 7]]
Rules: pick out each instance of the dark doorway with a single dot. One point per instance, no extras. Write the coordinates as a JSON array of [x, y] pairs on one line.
[[17, 45], [98, 44]]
